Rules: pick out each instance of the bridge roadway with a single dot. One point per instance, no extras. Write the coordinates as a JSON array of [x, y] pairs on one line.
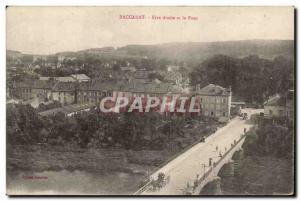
[[184, 168]]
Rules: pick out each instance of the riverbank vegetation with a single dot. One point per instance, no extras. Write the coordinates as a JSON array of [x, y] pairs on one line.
[[252, 78], [266, 164], [83, 141]]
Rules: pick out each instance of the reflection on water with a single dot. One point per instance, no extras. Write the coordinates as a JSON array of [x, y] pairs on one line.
[[72, 183]]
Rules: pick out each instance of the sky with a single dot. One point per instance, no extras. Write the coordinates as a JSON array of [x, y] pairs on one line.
[[47, 30]]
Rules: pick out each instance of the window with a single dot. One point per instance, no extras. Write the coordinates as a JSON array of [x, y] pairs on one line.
[[224, 114], [211, 113]]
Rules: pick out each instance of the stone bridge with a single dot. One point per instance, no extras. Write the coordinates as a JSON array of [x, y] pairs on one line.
[[209, 175], [192, 169], [212, 172]]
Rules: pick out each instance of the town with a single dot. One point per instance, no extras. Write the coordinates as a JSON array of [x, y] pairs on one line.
[[76, 90], [150, 101], [146, 117]]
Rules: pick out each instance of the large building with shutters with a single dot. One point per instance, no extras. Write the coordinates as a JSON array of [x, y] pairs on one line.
[[215, 101]]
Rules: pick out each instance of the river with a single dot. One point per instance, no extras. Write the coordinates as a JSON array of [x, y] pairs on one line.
[[72, 183]]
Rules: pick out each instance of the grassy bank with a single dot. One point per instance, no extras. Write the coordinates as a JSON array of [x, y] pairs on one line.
[[261, 176], [40, 158]]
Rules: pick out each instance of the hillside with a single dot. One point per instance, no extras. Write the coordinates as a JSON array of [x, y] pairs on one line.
[[194, 51], [202, 51]]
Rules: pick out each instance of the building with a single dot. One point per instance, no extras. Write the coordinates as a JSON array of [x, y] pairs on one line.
[[128, 69], [69, 110], [215, 101], [172, 68], [274, 107], [65, 79], [31, 89], [81, 77], [142, 74], [60, 79], [64, 92], [94, 91], [12, 101], [279, 106]]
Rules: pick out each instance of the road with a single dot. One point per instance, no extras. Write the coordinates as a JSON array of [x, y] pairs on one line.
[[185, 168]]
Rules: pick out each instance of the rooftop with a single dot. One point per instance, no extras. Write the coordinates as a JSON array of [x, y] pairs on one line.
[[80, 77], [68, 109], [65, 79], [128, 68], [214, 90], [275, 100], [35, 84], [64, 86]]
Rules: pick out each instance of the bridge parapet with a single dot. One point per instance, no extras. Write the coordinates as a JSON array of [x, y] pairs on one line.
[[209, 174], [213, 171]]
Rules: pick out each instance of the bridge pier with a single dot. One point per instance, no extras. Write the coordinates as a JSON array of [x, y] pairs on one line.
[[227, 170], [227, 161], [237, 157], [212, 188]]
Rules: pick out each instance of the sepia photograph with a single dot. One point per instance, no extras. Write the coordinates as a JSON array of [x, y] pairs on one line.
[[150, 101]]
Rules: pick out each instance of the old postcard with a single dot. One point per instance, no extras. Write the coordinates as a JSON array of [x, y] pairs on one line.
[[150, 101]]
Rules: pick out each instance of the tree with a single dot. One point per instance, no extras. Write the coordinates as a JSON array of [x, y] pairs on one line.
[[23, 124], [251, 78]]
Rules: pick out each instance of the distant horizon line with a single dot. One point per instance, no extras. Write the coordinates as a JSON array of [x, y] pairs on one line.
[[154, 44]]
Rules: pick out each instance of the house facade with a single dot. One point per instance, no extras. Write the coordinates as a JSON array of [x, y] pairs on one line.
[[64, 92], [40, 89], [278, 106], [215, 101]]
